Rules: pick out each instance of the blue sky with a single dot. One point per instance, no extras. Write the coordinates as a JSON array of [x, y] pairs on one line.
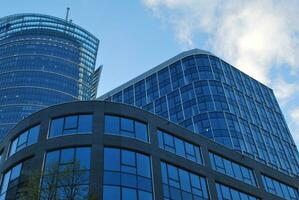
[[259, 37]]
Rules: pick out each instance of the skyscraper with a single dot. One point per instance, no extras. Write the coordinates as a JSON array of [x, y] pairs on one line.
[[44, 60], [205, 94]]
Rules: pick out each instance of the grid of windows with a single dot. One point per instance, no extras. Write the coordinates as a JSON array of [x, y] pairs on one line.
[[181, 184], [43, 68], [73, 124], [179, 147], [9, 179], [280, 189], [123, 126], [228, 193], [232, 169], [196, 86], [66, 174], [127, 175], [25, 139]]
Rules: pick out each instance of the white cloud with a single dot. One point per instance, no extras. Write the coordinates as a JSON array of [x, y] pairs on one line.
[[257, 36], [253, 35], [294, 125], [284, 90]]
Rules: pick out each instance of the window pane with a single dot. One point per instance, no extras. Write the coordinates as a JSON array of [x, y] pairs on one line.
[[71, 122], [83, 157], [112, 159], [56, 127], [111, 192], [127, 125], [13, 147], [67, 156], [143, 165], [141, 131], [112, 124], [5, 181], [128, 158], [33, 135], [22, 141], [144, 195], [129, 194], [16, 172], [85, 124]]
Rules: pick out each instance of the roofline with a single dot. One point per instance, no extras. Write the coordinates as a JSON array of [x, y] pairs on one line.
[[155, 69], [2, 19]]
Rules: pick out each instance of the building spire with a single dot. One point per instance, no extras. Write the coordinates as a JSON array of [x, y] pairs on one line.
[[67, 13]]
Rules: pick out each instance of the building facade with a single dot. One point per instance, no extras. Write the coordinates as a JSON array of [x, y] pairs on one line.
[[120, 152], [44, 61], [208, 96]]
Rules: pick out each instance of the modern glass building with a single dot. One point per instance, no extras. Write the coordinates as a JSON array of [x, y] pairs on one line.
[[99, 150], [208, 96], [44, 60]]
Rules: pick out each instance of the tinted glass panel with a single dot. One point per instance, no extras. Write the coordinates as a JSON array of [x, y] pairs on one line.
[[126, 127], [25, 139], [127, 173]]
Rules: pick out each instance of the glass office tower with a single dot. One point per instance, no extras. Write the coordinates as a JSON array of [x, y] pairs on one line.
[[205, 94], [44, 60]]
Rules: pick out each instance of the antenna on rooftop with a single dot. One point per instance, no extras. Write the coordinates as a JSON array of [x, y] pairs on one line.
[[67, 14]]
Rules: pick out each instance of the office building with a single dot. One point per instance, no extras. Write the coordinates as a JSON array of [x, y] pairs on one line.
[[114, 151], [208, 96], [44, 61]]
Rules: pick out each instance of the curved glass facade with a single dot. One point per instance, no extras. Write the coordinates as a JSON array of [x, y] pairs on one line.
[[112, 162], [43, 61], [210, 97]]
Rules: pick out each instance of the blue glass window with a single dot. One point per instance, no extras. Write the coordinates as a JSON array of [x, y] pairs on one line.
[[217, 68], [8, 178], [220, 129], [177, 76], [127, 127], [25, 139], [127, 175], [66, 168], [161, 108], [152, 90], [175, 106], [204, 97], [280, 189], [179, 147], [164, 81], [227, 193], [129, 95], [181, 184], [189, 101], [232, 169], [202, 125], [204, 67], [190, 70], [140, 94], [73, 124], [118, 97]]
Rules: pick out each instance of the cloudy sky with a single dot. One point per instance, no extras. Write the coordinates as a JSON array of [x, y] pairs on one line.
[[260, 37]]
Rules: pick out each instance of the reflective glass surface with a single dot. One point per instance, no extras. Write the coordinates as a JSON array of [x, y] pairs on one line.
[[8, 178], [227, 193], [210, 97], [232, 169], [179, 147], [181, 184], [127, 175], [280, 189], [66, 174], [25, 139], [43, 61], [72, 124], [126, 127]]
